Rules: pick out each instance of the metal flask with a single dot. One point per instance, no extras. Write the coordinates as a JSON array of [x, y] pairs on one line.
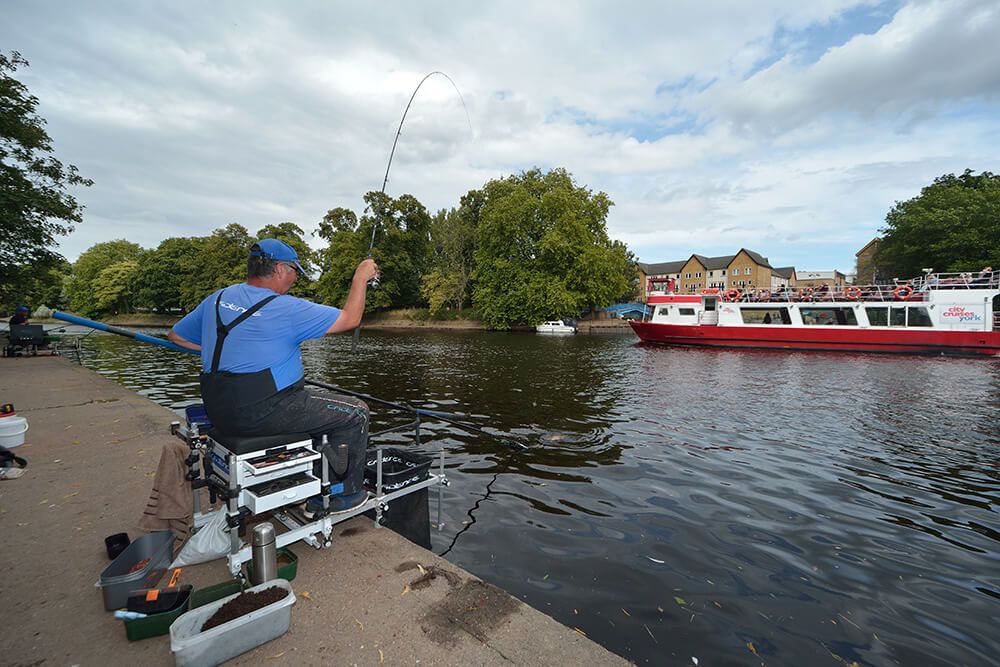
[[263, 553]]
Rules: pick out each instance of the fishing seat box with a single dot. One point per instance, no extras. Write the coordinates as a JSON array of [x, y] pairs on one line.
[[270, 471]]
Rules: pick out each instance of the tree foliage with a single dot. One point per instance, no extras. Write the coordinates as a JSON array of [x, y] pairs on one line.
[[80, 288], [953, 225], [543, 250], [401, 248], [35, 206], [453, 239], [161, 274]]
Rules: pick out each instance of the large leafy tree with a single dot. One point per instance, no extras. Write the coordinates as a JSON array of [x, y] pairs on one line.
[[80, 288], [221, 261], [453, 236], [402, 248], [543, 250], [160, 278], [35, 206], [953, 225]]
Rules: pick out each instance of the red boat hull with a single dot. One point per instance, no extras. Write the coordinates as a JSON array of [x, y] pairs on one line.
[[905, 341]]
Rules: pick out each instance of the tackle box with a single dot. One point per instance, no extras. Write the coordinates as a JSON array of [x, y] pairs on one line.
[[118, 579]]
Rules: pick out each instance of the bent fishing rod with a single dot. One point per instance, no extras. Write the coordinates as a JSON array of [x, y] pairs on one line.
[[371, 246], [447, 417]]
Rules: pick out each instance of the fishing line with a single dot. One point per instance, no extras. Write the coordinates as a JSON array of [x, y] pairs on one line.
[[371, 246]]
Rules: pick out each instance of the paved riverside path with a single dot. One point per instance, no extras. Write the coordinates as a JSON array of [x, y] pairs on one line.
[[92, 449]]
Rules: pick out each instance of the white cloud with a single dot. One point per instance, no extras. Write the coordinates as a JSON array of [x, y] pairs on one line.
[[786, 127]]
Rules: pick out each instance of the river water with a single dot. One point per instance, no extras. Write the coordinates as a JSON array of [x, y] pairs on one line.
[[684, 506]]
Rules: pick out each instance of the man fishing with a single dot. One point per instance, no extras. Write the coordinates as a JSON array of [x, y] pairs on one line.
[[252, 380]]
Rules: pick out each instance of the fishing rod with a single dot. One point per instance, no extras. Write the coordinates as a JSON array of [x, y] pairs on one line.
[[447, 417], [371, 246]]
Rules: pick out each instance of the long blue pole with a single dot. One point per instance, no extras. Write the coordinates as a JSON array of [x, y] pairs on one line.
[[101, 326]]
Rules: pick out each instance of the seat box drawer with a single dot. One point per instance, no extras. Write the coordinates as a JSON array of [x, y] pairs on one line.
[[294, 488]]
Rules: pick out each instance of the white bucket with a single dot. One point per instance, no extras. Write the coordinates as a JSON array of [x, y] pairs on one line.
[[12, 430]]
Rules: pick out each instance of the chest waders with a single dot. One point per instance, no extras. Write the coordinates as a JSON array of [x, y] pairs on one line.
[[226, 394]]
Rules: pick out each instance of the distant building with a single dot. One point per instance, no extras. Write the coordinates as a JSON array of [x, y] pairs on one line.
[[783, 277], [866, 269], [744, 270], [834, 279]]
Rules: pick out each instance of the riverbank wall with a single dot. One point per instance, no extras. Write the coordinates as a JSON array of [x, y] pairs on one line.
[[92, 449], [391, 320]]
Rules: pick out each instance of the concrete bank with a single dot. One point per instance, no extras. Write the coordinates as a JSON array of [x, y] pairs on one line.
[[92, 449]]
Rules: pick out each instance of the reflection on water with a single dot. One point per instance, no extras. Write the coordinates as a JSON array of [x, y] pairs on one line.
[[809, 508]]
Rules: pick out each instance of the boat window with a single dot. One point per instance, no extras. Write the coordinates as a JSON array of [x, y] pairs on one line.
[[709, 304], [917, 316], [822, 316], [897, 317], [878, 317], [765, 316], [685, 311], [662, 310]]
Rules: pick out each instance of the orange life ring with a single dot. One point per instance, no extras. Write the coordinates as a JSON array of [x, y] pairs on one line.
[[807, 293], [899, 292], [853, 292], [733, 294]]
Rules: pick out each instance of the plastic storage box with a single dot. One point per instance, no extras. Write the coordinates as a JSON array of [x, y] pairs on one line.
[[400, 468], [193, 648], [117, 580]]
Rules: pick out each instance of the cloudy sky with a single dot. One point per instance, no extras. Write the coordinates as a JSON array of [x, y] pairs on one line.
[[782, 126]]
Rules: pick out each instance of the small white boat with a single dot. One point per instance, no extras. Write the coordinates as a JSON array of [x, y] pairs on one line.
[[556, 326]]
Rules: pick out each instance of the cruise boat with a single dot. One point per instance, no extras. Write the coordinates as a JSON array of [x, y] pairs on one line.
[[556, 326], [934, 314]]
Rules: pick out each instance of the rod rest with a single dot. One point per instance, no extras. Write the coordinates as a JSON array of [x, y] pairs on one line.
[[244, 444]]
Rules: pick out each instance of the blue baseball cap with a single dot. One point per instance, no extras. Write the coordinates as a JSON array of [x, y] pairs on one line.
[[278, 251], [24, 308]]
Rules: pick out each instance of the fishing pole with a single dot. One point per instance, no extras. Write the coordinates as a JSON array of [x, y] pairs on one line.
[[371, 246], [447, 417]]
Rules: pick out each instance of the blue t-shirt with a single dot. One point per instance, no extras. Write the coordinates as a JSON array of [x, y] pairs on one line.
[[269, 338]]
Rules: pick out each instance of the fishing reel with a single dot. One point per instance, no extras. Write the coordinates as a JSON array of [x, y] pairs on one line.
[[373, 283]]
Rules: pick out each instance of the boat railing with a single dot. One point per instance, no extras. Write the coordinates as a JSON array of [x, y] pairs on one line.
[[898, 290]]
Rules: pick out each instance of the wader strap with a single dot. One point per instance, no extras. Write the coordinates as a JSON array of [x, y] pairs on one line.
[[222, 330]]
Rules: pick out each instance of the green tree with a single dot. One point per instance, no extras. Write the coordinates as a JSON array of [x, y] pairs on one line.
[[345, 248], [221, 261], [33, 286], [953, 225], [162, 274], [453, 237], [111, 288], [35, 206], [401, 247], [80, 288], [543, 250]]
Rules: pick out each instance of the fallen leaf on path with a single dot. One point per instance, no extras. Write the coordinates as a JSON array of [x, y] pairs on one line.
[[405, 590], [275, 656], [305, 594], [70, 495]]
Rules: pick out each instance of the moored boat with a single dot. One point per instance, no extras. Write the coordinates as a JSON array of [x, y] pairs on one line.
[[942, 314], [556, 326]]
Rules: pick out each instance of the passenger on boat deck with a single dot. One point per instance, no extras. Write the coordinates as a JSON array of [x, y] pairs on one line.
[[984, 277], [252, 380], [822, 290], [929, 283], [20, 315]]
